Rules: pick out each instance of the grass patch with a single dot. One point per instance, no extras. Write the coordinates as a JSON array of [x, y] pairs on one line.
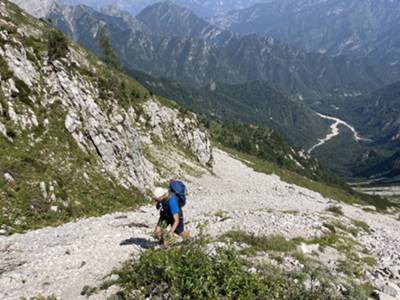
[[326, 240], [88, 291], [261, 243], [362, 225], [337, 210], [369, 261]]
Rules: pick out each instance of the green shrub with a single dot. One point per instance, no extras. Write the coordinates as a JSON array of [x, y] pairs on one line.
[[261, 243], [57, 45], [360, 224], [187, 272], [336, 209]]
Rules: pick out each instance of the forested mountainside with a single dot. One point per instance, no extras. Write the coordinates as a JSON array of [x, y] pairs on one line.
[[252, 103]]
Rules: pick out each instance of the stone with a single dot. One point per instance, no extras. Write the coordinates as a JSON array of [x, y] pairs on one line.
[[383, 296], [9, 178], [54, 208], [43, 189], [114, 277], [308, 249], [391, 289]]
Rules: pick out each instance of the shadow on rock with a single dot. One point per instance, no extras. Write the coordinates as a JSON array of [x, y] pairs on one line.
[[141, 242]]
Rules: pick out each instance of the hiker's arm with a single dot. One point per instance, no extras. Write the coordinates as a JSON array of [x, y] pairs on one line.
[[176, 222]]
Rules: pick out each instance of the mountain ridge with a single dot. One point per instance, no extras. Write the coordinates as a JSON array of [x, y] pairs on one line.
[[200, 61], [352, 28]]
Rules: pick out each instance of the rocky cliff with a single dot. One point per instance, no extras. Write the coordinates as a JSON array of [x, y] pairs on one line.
[[67, 119]]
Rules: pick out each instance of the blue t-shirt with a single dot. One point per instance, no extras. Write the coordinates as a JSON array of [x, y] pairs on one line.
[[171, 206]]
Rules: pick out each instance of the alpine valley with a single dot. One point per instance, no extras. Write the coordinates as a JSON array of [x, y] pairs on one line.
[[251, 78], [279, 138]]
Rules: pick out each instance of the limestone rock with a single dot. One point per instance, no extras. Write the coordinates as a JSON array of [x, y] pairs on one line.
[[9, 178], [308, 249], [167, 122], [391, 289]]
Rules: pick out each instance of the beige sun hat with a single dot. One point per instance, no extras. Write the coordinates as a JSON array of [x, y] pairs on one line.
[[159, 193]]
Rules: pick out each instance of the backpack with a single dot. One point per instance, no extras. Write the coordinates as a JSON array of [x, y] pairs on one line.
[[179, 189]]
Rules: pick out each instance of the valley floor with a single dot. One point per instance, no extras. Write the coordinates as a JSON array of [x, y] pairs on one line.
[[63, 260]]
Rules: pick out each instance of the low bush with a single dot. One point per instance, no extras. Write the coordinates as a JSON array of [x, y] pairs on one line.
[[186, 272], [261, 243], [336, 209], [57, 45]]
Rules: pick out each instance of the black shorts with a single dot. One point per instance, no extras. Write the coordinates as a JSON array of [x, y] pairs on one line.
[[170, 221]]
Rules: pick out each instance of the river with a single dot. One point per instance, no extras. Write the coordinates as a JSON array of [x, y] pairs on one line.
[[335, 131]]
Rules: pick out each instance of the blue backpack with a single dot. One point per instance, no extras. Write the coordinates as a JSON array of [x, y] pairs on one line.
[[179, 189]]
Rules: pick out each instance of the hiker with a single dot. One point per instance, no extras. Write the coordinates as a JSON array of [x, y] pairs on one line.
[[170, 201]]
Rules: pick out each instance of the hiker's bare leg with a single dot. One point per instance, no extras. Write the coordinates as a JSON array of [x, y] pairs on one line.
[[185, 234], [158, 232]]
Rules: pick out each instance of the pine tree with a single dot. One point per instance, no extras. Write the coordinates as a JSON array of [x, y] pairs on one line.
[[108, 54]]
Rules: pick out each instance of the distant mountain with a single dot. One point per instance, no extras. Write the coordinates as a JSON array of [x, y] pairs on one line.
[[241, 59], [38, 10], [219, 56], [336, 27], [204, 8], [167, 19]]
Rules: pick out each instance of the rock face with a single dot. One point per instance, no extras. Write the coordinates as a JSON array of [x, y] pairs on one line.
[[38, 10], [184, 128]]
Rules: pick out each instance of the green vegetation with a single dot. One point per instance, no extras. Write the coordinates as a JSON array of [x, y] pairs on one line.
[[336, 209], [186, 272], [5, 72], [88, 290], [108, 54], [261, 243], [362, 225], [56, 160], [57, 45], [221, 214]]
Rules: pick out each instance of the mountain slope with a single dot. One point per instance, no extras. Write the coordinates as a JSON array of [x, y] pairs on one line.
[[238, 59], [336, 27], [76, 137], [275, 214]]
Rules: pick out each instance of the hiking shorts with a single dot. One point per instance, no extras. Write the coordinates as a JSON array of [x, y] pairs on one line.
[[170, 221]]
